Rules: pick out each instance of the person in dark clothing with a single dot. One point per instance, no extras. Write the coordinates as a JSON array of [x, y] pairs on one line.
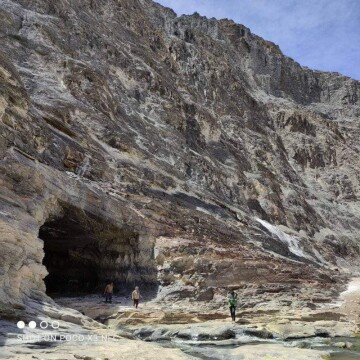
[[232, 301], [108, 292]]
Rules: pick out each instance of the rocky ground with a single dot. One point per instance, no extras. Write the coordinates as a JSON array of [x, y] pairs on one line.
[[180, 330]]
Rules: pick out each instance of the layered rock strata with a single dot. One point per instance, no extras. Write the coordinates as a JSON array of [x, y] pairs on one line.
[[180, 152]]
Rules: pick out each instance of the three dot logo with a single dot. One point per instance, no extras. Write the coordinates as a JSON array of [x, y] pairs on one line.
[[43, 324]]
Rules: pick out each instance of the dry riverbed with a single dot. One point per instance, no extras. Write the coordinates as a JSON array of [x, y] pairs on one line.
[[90, 329]]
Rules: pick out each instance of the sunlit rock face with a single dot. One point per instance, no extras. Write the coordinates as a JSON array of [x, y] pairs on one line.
[[182, 152]]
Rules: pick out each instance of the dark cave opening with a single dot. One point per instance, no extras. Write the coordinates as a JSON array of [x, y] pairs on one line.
[[83, 252]]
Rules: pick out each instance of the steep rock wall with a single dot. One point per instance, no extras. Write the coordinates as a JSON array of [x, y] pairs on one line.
[[190, 132]]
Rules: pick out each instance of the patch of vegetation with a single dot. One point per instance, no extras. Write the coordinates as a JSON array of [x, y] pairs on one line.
[[326, 357]]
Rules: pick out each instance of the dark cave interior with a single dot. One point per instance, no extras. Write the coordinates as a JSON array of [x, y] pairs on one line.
[[83, 252]]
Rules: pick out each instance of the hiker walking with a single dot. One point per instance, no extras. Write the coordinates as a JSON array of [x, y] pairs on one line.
[[232, 301], [108, 292], [136, 296]]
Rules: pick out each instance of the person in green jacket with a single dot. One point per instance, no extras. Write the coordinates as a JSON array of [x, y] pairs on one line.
[[232, 301]]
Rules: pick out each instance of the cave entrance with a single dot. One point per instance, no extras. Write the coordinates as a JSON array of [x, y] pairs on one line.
[[83, 251]]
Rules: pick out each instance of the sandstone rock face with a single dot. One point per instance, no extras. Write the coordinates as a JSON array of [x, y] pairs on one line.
[[183, 152]]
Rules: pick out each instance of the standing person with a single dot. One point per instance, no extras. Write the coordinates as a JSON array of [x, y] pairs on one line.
[[136, 296], [232, 301], [108, 292]]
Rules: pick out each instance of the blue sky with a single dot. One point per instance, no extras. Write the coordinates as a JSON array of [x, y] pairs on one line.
[[320, 34]]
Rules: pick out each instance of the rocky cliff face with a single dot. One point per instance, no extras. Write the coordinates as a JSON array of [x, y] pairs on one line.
[[183, 152]]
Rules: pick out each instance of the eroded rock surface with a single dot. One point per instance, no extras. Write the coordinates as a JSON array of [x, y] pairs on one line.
[[179, 152]]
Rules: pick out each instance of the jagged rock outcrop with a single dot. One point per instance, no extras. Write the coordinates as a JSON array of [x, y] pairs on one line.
[[180, 151]]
